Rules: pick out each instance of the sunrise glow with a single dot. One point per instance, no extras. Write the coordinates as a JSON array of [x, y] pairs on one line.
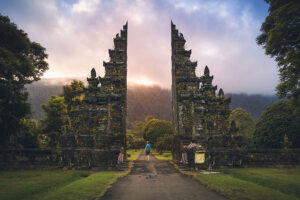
[[142, 81]]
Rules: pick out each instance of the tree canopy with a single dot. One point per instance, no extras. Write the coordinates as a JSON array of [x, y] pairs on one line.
[[73, 92], [164, 143], [148, 118], [21, 62], [56, 120], [27, 137], [243, 122], [278, 120], [156, 128], [137, 128], [281, 39]]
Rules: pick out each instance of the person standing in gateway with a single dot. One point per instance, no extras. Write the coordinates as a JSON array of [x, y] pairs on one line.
[[147, 150]]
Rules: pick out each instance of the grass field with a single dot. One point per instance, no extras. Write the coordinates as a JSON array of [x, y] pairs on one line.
[[54, 184], [255, 183], [164, 156], [57, 184]]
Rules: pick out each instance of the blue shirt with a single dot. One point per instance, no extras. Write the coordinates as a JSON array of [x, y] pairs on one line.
[[147, 147]]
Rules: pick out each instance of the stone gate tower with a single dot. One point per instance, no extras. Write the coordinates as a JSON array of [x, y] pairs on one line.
[[99, 119], [198, 113]]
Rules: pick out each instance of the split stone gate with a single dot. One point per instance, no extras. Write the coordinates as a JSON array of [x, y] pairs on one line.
[[99, 120]]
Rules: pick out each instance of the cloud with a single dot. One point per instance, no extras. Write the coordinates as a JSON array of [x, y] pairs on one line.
[[85, 6], [77, 35]]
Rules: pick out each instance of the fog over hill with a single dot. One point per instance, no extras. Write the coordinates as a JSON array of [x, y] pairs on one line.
[[143, 100]]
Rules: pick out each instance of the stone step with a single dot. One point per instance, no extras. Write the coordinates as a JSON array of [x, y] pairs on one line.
[[184, 167], [122, 166]]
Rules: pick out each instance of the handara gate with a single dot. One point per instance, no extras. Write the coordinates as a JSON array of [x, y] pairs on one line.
[[198, 113], [99, 120]]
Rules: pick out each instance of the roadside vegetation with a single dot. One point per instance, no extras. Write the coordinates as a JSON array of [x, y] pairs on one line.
[[133, 154], [254, 183], [167, 155], [158, 132]]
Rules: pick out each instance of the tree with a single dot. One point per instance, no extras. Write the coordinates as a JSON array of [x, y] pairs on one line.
[[243, 122], [134, 142], [276, 121], [137, 128], [27, 137], [129, 139], [164, 143], [73, 92], [280, 38], [233, 129], [21, 62], [56, 121], [156, 128], [148, 118]]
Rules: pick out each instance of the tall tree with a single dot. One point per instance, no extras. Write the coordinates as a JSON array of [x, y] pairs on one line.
[[281, 39], [243, 121], [73, 92], [137, 128], [56, 121], [278, 120], [21, 62]]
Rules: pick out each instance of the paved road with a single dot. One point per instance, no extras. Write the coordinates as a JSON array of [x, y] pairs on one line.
[[155, 180]]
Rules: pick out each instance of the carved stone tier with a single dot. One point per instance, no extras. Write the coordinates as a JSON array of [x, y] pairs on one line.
[[183, 52], [197, 111], [98, 121], [113, 64]]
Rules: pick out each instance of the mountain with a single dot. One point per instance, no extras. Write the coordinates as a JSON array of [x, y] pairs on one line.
[[148, 100], [255, 104], [143, 100], [39, 93]]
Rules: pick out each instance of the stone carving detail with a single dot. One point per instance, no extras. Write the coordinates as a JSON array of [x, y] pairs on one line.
[[197, 111]]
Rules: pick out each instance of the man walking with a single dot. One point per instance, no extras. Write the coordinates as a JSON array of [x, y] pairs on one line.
[[147, 150]]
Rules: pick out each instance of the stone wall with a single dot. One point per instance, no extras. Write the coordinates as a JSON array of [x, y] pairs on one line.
[[102, 159], [230, 158], [97, 159], [27, 158]]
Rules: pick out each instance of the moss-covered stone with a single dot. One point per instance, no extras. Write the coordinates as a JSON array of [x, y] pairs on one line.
[[98, 119], [197, 111]]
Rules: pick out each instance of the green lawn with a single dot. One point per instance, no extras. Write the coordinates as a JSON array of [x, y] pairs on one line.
[[255, 183], [58, 184], [54, 184], [164, 156], [133, 154]]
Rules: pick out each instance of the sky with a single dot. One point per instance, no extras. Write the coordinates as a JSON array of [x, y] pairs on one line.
[[221, 33]]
